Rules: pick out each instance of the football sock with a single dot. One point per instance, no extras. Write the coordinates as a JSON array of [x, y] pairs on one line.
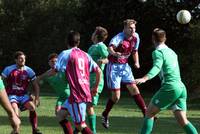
[[86, 130], [33, 119], [67, 128], [140, 102], [92, 122], [190, 129], [109, 106], [147, 126]]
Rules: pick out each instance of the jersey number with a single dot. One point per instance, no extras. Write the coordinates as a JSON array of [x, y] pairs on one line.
[[81, 66]]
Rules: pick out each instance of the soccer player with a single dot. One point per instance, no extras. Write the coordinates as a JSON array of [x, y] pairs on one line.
[[98, 51], [172, 93], [57, 81], [18, 76], [14, 120], [118, 70], [77, 65]]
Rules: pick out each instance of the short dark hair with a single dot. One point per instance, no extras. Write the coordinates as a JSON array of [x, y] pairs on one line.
[[101, 33], [129, 22], [73, 38], [52, 55], [159, 35], [18, 53]]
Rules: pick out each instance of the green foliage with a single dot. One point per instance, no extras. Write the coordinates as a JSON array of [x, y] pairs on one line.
[[39, 27]]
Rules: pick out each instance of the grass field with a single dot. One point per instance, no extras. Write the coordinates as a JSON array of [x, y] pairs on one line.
[[125, 118]]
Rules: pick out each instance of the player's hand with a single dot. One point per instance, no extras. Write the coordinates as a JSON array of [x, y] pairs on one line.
[[15, 123], [140, 81], [137, 65], [117, 54], [37, 101]]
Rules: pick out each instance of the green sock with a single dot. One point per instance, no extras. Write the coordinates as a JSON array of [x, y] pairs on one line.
[[92, 122], [147, 126], [190, 129]]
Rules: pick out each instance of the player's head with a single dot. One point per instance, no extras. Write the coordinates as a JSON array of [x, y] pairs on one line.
[[52, 58], [73, 39], [99, 35], [129, 27], [20, 58], [158, 36]]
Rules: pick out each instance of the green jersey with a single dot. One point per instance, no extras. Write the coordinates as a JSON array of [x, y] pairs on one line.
[[1, 85], [165, 62], [59, 83], [98, 51]]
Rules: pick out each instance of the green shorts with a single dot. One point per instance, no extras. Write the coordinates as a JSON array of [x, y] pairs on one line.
[[171, 96], [1, 85]]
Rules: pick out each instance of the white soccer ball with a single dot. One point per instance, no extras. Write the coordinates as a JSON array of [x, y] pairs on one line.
[[183, 16]]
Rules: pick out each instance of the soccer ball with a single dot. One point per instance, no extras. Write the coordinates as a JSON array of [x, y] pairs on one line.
[[183, 16]]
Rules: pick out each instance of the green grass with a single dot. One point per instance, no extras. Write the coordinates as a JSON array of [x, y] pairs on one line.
[[125, 118]]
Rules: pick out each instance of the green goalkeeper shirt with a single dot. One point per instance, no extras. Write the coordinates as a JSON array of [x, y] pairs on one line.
[[165, 62]]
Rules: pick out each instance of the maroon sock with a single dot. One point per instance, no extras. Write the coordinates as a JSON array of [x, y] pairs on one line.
[[109, 106], [33, 119], [67, 128], [140, 102], [86, 130]]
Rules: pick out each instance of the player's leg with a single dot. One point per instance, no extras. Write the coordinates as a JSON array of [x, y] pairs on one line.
[[110, 103], [134, 92], [183, 121], [113, 84], [91, 116], [133, 89], [63, 120], [179, 110], [148, 122], [32, 114]]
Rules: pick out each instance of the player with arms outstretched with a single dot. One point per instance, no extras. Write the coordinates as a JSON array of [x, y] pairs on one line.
[[172, 93]]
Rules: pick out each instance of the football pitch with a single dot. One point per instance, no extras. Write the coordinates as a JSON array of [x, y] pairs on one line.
[[125, 117]]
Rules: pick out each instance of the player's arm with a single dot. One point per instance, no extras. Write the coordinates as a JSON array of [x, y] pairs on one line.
[[8, 108], [103, 50], [135, 54], [48, 73], [98, 77], [36, 89], [157, 65], [113, 52], [136, 59]]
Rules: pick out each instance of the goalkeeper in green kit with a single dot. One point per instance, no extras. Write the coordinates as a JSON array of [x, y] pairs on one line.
[[98, 51], [172, 93]]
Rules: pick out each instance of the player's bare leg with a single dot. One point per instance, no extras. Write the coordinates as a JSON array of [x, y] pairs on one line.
[[115, 98], [184, 123]]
